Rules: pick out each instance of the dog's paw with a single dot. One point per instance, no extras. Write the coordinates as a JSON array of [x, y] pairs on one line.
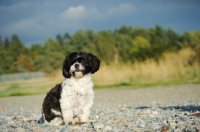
[[84, 118], [69, 122]]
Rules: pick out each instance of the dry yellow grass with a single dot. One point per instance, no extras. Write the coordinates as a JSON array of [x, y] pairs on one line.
[[172, 66]]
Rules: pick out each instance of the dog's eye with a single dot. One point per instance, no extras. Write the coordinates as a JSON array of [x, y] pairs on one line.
[[82, 62], [72, 61]]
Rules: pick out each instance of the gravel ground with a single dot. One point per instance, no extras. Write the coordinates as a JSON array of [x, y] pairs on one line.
[[164, 108]]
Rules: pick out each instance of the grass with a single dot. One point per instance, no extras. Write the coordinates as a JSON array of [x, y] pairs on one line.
[[29, 87], [172, 68]]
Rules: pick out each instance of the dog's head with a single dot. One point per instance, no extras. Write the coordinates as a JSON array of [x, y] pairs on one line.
[[78, 64]]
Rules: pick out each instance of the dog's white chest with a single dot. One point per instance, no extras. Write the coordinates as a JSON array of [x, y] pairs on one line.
[[77, 93]]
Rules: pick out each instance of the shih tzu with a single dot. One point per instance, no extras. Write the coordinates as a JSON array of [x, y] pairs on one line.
[[74, 96]]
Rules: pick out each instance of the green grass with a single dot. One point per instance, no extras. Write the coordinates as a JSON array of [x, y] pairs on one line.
[[16, 90], [43, 86], [27, 87], [150, 84]]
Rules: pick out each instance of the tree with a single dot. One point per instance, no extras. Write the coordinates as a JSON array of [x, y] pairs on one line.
[[123, 43], [173, 42], [23, 64], [16, 47], [51, 45], [195, 44], [105, 46], [60, 40], [1, 42], [6, 43], [35, 50], [139, 48]]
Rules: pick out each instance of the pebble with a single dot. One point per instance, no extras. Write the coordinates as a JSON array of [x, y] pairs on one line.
[[98, 125], [19, 129], [123, 123], [198, 127], [108, 128], [36, 128], [172, 123]]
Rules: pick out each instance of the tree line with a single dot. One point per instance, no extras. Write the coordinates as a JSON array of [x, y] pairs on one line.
[[129, 44]]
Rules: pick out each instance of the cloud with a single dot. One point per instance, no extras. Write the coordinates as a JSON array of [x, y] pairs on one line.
[[81, 13], [75, 13]]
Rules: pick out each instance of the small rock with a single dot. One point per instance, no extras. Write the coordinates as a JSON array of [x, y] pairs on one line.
[[13, 126], [148, 111], [76, 127], [198, 127], [164, 122], [124, 109], [96, 116], [63, 130], [98, 125], [155, 113], [172, 123], [36, 128], [19, 129], [182, 126], [108, 128], [151, 115], [100, 113], [148, 130], [155, 126], [178, 130], [141, 125], [165, 128], [108, 122], [123, 123]]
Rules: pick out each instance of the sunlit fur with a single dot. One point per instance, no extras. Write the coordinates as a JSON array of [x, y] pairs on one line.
[[74, 96]]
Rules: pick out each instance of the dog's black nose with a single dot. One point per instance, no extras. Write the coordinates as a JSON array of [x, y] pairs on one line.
[[76, 65]]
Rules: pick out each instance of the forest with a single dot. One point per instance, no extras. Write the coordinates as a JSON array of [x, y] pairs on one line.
[[123, 45]]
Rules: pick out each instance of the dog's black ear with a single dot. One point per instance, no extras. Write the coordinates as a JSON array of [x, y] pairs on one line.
[[94, 63], [66, 68]]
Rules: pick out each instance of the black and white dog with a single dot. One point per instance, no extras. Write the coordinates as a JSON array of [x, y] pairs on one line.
[[74, 96]]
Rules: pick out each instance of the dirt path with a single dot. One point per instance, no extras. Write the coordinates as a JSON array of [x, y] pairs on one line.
[[162, 95]]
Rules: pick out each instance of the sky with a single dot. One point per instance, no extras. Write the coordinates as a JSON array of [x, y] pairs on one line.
[[34, 21]]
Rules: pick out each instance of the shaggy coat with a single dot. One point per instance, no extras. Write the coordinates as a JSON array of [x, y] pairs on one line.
[[74, 96]]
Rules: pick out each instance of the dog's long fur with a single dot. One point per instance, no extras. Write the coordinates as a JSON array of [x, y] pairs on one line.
[[74, 96]]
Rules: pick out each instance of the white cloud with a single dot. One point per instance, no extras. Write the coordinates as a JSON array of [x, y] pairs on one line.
[[81, 13], [75, 13]]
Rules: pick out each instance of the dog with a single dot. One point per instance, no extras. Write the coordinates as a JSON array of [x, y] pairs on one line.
[[74, 96]]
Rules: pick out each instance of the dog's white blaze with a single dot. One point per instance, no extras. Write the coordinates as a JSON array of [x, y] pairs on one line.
[[56, 112]]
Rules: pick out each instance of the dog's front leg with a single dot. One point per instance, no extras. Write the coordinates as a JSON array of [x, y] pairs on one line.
[[67, 111], [86, 112], [68, 116]]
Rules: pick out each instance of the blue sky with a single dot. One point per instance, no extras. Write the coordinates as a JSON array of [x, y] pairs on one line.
[[34, 21]]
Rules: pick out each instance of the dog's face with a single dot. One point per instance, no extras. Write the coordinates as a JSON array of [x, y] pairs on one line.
[[78, 64]]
